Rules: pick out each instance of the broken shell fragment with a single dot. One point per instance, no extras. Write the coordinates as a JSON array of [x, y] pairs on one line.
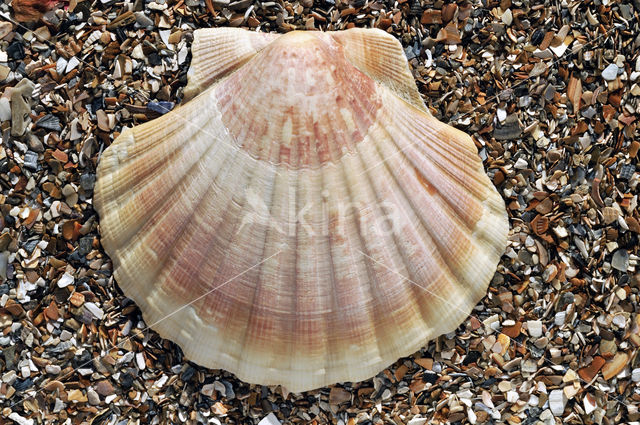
[[303, 219]]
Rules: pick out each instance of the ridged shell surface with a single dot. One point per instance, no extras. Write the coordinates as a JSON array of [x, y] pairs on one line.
[[302, 220]]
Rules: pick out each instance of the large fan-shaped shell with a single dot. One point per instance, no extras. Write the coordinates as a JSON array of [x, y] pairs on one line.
[[303, 220]]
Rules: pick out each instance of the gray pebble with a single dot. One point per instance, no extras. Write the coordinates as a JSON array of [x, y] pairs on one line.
[[62, 347], [589, 113], [610, 73], [93, 397], [65, 335], [549, 92], [143, 20], [35, 144], [31, 160], [620, 260], [5, 109], [84, 245], [87, 181], [510, 130]]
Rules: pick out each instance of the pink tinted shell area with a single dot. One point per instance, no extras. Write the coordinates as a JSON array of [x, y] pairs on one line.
[[250, 224], [315, 106]]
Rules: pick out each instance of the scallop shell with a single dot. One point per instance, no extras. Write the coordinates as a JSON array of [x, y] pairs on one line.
[[303, 220]]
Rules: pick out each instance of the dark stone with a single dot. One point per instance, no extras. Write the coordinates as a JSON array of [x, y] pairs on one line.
[[76, 257], [442, 64], [29, 246], [204, 403], [589, 112], [533, 415], [471, 357], [21, 69], [72, 19], [15, 51], [607, 335], [430, 377], [102, 417], [154, 59], [152, 407], [161, 107], [97, 103], [9, 354], [87, 181], [549, 92], [10, 220], [628, 240], [4, 289], [521, 91], [499, 29], [577, 258], [536, 352], [415, 9], [623, 281], [565, 299], [578, 176], [537, 37], [409, 52], [488, 383], [35, 144], [21, 385], [626, 171], [230, 394], [578, 229], [188, 373], [84, 245], [121, 36], [286, 410], [63, 347], [178, 355], [126, 381], [82, 360], [266, 405]]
